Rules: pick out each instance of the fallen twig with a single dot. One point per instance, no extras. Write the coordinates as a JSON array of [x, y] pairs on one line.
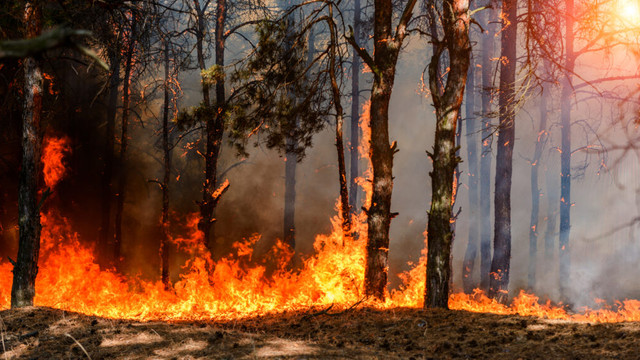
[[317, 313], [81, 347], [326, 311], [350, 307]]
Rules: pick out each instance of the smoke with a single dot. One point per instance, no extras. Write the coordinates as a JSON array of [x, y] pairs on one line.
[[602, 264]]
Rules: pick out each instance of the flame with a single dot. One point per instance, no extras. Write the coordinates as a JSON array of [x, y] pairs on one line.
[[366, 181], [230, 288], [239, 285], [53, 155]]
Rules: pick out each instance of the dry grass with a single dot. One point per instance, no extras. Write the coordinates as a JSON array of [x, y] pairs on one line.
[[41, 333]]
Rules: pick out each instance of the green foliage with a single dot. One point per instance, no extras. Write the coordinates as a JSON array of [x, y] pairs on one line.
[[188, 118], [280, 100], [212, 75]]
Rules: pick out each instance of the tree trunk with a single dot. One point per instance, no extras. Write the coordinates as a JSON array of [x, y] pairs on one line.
[[455, 22], [500, 265], [337, 103], [124, 141], [564, 256], [355, 114], [166, 148], [26, 267], [535, 192], [215, 132], [472, 159], [386, 50], [206, 213], [290, 165], [487, 133], [106, 193], [553, 200]]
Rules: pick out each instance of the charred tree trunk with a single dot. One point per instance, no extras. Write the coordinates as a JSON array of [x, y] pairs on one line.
[[106, 193], [201, 30], [564, 256], [541, 140], [486, 154], [26, 267], [472, 159], [337, 103], [209, 198], [379, 213], [355, 114], [387, 45], [166, 148], [291, 150], [500, 264], [215, 132], [455, 22], [291, 163], [124, 141]]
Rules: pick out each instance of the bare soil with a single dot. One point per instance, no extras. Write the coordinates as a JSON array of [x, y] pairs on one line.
[[43, 333]]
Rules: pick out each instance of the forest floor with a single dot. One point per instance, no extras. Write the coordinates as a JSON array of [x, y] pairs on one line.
[[43, 333]]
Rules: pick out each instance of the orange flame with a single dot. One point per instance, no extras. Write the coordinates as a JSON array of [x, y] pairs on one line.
[[70, 279], [235, 286], [53, 155]]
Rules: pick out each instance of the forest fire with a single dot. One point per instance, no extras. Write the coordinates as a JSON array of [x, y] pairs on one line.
[[69, 279], [235, 286], [145, 210], [53, 154]]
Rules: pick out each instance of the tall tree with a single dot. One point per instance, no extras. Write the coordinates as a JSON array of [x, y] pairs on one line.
[[447, 102], [337, 103], [553, 200], [124, 137], [26, 266], [166, 179], [209, 117], [490, 19], [291, 152], [536, 193], [500, 264], [387, 45], [354, 171], [565, 154], [472, 137], [106, 193]]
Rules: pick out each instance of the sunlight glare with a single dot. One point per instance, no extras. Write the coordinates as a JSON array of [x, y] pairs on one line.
[[629, 11]]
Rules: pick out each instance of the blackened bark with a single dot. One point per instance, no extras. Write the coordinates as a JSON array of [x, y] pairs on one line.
[[487, 132], [500, 264], [337, 103], [564, 256], [26, 266], [166, 148], [290, 165], [455, 22], [386, 50], [215, 132], [354, 172], [124, 142], [472, 159], [106, 195], [206, 213], [201, 31]]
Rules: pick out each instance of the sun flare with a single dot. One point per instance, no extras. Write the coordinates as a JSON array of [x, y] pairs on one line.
[[629, 12]]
